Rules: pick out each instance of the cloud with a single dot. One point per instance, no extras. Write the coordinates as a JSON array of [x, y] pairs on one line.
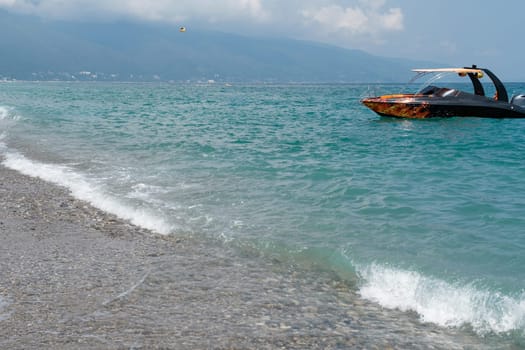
[[324, 20], [158, 10], [335, 18], [365, 17]]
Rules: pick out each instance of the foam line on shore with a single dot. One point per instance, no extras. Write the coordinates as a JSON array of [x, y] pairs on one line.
[[83, 189]]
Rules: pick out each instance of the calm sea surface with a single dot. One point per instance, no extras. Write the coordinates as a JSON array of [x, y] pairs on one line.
[[424, 216]]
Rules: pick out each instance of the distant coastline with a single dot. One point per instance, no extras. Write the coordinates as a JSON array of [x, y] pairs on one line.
[[140, 52]]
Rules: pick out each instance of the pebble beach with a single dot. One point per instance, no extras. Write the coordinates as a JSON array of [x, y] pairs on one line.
[[74, 277]]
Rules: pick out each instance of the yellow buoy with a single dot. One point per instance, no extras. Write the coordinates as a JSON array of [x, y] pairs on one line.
[[182, 29]]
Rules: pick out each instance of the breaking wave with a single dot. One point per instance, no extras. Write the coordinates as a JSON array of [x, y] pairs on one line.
[[443, 303]]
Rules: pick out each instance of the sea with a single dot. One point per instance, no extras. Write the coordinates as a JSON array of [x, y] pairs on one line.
[[426, 217]]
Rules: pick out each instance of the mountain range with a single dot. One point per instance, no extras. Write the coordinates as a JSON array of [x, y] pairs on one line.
[[37, 49]]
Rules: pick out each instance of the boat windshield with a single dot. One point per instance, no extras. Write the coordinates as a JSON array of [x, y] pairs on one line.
[[428, 82]]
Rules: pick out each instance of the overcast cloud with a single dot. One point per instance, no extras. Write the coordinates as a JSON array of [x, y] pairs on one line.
[[447, 31], [346, 23]]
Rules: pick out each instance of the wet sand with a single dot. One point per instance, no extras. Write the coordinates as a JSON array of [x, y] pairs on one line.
[[74, 277]]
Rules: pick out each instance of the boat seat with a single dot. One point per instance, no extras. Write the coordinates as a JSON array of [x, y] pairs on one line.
[[429, 90], [437, 91], [518, 100], [446, 92]]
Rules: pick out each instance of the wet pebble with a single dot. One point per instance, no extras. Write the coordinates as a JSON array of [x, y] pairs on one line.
[[74, 277]]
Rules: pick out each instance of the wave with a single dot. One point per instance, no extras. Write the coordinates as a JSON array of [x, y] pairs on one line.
[[81, 188], [443, 303], [8, 113], [8, 117], [4, 112]]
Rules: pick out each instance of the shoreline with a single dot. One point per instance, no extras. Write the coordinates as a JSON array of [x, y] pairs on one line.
[[75, 277]]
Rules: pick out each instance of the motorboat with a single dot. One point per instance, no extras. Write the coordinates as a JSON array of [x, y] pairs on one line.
[[435, 101]]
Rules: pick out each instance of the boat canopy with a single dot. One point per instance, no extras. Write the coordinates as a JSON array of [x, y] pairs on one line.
[[448, 70], [474, 73]]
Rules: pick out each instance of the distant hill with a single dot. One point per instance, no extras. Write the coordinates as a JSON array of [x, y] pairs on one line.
[[36, 49]]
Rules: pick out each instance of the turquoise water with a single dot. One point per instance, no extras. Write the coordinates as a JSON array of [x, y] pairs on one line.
[[424, 216]]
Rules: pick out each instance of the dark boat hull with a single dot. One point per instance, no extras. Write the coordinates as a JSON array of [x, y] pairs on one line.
[[419, 107]]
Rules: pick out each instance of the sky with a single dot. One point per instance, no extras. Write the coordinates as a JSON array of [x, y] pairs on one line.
[[452, 32]]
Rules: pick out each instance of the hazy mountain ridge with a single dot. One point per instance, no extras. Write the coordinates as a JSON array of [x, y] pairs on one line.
[[36, 49]]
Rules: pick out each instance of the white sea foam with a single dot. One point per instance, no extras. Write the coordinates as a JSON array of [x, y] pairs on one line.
[[442, 303], [7, 113], [3, 112], [83, 189]]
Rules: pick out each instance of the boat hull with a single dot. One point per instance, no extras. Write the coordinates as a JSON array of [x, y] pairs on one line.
[[411, 106]]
